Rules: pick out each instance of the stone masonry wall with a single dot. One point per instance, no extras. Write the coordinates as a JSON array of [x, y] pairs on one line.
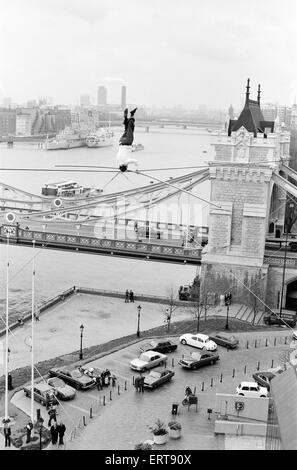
[[239, 192]]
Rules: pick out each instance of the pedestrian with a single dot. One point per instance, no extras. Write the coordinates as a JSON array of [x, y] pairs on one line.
[[131, 296], [113, 380], [61, 428], [136, 384], [7, 434], [54, 433], [99, 383], [29, 428], [141, 384], [52, 415], [126, 296], [36, 315]]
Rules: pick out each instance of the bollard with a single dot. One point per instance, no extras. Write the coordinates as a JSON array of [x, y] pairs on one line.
[[258, 366], [165, 364], [272, 363], [183, 356], [133, 379], [110, 395], [194, 390], [255, 343], [233, 373], [202, 387], [172, 362], [84, 420], [103, 400], [247, 345], [211, 382], [285, 340], [244, 370], [125, 385], [91, 413], [118, 390], [221, 378], [266, 343], [274, 341]]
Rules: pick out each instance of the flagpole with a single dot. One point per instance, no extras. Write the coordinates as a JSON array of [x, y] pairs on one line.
[[6, 327], [32, 335]]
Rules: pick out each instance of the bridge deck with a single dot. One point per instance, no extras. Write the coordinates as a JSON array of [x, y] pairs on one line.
[[87, 244]]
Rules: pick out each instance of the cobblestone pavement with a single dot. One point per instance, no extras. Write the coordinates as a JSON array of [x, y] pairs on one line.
[[126, 421]]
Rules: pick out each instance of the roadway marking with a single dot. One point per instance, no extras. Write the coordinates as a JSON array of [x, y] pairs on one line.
[[78, 408]]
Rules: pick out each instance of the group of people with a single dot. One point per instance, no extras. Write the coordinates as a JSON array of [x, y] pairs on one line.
[[57, 429], [103, 380], [129, 296]]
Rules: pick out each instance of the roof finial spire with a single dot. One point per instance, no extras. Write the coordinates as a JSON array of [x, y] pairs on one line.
[[247, 95], [259, 94]]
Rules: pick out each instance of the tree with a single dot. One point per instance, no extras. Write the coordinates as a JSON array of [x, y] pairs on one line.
[[170, 306]]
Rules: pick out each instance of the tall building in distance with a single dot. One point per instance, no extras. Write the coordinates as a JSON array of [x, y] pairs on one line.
[[85, 100], [102, 95], [124, 97], [7, 102]]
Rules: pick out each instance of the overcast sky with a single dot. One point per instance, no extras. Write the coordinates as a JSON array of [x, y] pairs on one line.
[[167, 52]]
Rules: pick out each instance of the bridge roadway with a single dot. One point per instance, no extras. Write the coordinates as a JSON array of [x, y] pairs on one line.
[[123, 243], [155, 250]]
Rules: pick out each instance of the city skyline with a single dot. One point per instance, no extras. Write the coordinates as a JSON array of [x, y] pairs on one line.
[[165, 55]]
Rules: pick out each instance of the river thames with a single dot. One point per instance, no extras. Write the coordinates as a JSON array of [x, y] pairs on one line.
[[58, 270]]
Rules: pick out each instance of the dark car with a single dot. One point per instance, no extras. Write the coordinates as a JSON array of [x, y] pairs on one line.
[[157, 377], [75, 378], [184, 292], [163, 346], [197, 360], [287, 317], [228, 341], [43, 393], [264, 378]]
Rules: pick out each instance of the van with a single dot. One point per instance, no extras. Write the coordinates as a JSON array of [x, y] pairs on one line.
[[273, 317]]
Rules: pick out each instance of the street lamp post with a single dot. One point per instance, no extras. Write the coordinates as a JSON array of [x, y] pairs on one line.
[[81, 338], [138, 316], [227, 319]]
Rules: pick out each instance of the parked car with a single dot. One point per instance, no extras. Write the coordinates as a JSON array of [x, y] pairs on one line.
[[158, 377], [274, 318], [43, 393], [63, 391], [162, 346], [197, 360], [223, 339], [198, 341], [75, 378], [251, 389], [148, 360], [264, 378], [184, 292]]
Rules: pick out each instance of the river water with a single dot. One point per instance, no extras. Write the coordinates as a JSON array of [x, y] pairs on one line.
[[58, 270]]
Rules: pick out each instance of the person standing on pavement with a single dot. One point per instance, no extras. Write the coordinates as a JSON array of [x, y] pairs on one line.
[[61, 428], [7, 434], [54, 433], [141, 384], [52, 415], [131, 296], [29, 428], [99, 383], [126, 296]]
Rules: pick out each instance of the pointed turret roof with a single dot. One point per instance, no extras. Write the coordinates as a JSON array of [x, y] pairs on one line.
[[251, 117]]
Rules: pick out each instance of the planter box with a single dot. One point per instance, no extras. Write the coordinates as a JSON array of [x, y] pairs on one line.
[[175, 433], [161, 439]]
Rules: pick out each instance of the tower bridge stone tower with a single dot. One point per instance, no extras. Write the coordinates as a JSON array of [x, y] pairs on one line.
[[241, 183]]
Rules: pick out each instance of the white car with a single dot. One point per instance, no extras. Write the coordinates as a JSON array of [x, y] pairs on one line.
[[251, 389], [198, 341], [148, 360]]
